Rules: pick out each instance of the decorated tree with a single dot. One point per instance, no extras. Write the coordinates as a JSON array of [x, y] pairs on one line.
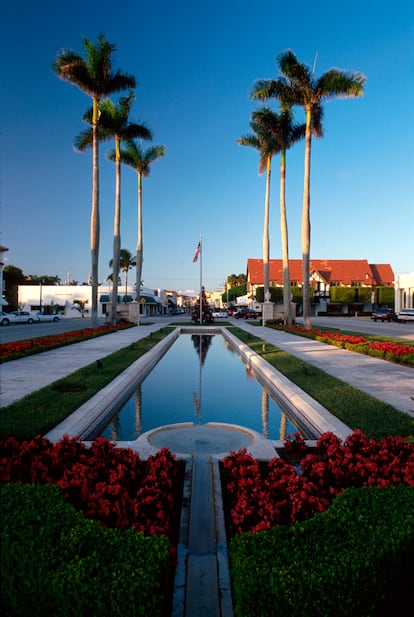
[[206, 313]]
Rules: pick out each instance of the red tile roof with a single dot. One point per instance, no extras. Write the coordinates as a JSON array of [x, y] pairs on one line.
[[343, 271]]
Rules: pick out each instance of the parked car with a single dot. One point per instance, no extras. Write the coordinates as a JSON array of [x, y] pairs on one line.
[[23, 317], [383, 314], [47, 316], [246, 313], [220, 314], [406, 315], [232, 310], [5, 319]]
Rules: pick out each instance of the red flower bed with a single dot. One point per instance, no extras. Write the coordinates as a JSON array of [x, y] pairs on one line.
[[260, 496], [394, 352], [18, 349], [107, 483]]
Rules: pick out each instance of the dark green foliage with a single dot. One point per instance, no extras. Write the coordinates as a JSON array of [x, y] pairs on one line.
[[353, 560], [233, 293], [386, 295], [296, 294], [342, 294], [276, 294], [364, 294], [56, 562]]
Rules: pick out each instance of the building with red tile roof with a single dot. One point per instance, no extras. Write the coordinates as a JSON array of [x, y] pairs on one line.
[[324, 273]]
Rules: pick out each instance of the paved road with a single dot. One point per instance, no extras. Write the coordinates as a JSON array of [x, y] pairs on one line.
[[366, 325]]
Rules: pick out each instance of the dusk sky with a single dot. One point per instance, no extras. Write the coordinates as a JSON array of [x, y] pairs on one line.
[[195, 63]]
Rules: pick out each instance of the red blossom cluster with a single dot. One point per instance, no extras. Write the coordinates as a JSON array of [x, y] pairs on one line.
[[107, 483], [18, 349], [259, 496], [383, 349]]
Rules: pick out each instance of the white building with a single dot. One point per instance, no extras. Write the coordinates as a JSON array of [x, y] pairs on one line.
[[62, 299], [404, 291]]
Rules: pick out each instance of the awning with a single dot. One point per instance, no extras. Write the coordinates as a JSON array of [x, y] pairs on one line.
[[147, 299], [105, 298]]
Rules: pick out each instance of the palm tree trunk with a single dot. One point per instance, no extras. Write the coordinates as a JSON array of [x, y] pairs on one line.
[[266, 234], [117, 233], [284, 241], [140, 258], [95, 222], [306, 228]]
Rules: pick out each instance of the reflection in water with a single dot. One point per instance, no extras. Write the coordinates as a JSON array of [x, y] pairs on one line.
[[138, 409], [265, 413], [283, 425], [201, 344], [199, 381], [115, 426]]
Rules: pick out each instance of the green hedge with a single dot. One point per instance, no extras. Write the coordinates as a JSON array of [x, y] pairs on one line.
[[386, 295], [54, 561], [355, 559]]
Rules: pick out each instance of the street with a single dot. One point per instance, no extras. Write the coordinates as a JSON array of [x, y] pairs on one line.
[[365, 325]]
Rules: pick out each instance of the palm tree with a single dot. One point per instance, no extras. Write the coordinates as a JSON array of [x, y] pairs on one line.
[[114, 123], [298, 86], [140, 160], [94, 76], [126, 262], [286, 133], [265, 142]]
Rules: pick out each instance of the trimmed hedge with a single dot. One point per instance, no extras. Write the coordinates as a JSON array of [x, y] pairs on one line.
[[54, 561], [354, 559]]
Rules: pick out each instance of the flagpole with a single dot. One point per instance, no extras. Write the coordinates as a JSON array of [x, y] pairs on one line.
[[201, 281]]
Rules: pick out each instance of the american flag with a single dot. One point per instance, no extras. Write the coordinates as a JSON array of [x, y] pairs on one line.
[[197, 252]]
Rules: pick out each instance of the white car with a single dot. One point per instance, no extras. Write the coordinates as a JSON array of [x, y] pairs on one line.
[[18, 317], [47, 316], [220, 314]]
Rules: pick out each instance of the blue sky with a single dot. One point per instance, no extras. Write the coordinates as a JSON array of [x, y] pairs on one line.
[[195, 65]]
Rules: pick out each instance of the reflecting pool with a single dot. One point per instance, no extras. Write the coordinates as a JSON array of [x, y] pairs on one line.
[[200, 379]]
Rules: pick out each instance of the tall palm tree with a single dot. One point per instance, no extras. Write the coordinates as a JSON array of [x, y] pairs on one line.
[[140, 160], [94, 76], [265, 142], [298, 86], [286, 133], [114, 124], [126, 262]]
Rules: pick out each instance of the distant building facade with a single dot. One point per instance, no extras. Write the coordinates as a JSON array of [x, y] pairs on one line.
[[324, 275], [404, 291], [62, 299]]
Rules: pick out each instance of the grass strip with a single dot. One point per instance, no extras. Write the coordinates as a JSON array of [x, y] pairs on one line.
[[40, 411], [355, 408]]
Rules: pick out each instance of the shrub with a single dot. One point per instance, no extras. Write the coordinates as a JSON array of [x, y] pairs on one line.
[[56, 562], [354, 559]]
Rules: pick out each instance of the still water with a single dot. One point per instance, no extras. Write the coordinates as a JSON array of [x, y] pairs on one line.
[[200, 379]]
